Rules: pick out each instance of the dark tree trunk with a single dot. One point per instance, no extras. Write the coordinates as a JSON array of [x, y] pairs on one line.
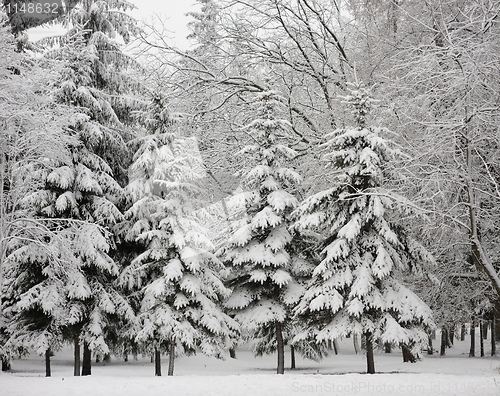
[[171, 358], [493, 337], [444, 338], [280, 349], [496, 315], [355, 343], [87, 359], [157, 358], [387, 347], [472, 352], [5, 364], [430, 348], [481, 340], [485, 330], [370, 361], [335, 347], [232, 353], [407, 355], [76, 366], [462, 332], [47, 363], [292, 357], [452, 336]]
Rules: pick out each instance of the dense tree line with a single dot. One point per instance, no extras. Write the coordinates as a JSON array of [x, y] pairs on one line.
[[251, 187]]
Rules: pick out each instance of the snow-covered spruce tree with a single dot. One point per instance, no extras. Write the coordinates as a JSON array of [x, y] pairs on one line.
[[358, 288], [176, 275], [88, 191], [95, 81], [32, 142], [259, 251]]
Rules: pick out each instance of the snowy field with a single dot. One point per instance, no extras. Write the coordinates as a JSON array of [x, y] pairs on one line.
[[455, 374]]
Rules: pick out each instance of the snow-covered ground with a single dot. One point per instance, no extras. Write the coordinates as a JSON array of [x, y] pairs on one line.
[[455, 374]]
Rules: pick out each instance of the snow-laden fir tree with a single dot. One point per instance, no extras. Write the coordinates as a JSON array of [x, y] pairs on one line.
[[95, 81], [259, 249], [358, 286], [176, 275], [32, 142], [86, 194], [98, 79]]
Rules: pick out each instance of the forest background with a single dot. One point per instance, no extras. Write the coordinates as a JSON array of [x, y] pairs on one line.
[[118, 151]]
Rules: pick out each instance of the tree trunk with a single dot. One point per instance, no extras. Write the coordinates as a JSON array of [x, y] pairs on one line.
[[480, 258], [496, 317], [335, 347], [171, 358], [370, 361], [355, 341], [292, 357], [387, 347], [407, 355], [76, 366], [472, 352], [47, 363], [87, 359], [462, 332], [430, 348], [232, 353], [451, 337], [485, 330], [444, 337], [5, 364], [157, 358], [481, 339], [493, 338], [280, 349]]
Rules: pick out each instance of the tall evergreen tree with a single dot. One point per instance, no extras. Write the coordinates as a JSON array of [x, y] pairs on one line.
[[357, 288], [86, 191], [175, 274], [259, 252], [95, 81], [33, 141]]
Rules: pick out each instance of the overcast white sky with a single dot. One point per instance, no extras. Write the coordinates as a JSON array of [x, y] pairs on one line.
[[172, 10]]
